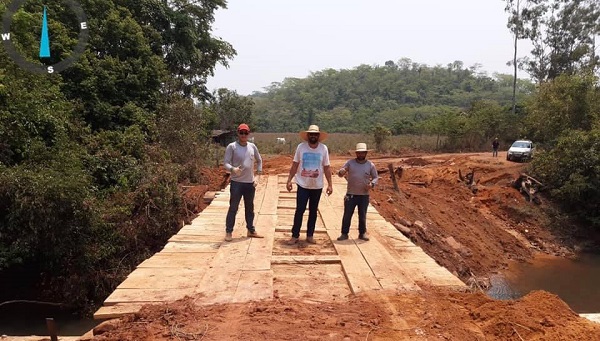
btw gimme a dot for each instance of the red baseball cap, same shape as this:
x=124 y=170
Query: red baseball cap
x=243 y=126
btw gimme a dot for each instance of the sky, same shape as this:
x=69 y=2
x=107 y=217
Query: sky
x=276 y=39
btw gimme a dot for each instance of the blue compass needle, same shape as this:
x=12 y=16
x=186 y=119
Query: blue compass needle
x=44 y=41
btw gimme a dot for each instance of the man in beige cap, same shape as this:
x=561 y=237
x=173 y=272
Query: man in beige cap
x=311 y=162
x=361 y=175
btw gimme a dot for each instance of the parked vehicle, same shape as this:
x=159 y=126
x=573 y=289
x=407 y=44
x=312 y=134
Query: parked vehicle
x=520 y=150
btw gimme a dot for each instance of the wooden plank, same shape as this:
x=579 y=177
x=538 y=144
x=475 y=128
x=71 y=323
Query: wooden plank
x=302 y=230
x=269 y=204
x=191 y=247
x=203 y=232
x=220 y=280
x=287 y=203
x=195 y=238
x=259 y=195
x=288 y=221
x=592 y=317
x=310 y=282
x=289 y=211
x=188 y=260
x=254 y=286
x=385 y=267
x=306 y=259
x=431 y=274
x=208 y=220
x=117 y=310
x=146 y=295
x=260 y=250
x=357 y=271
x=162 y=278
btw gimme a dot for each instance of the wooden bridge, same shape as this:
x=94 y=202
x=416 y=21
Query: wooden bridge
x=197 y=262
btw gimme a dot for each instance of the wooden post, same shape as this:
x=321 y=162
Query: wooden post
x=393 y=176
x=52 y=330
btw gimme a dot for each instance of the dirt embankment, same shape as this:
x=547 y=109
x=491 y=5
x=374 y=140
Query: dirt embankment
x=470 y=234
x=473 y=234
x=431 y=314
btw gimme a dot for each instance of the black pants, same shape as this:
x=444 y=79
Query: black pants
x=304 y=196
x=351 y=201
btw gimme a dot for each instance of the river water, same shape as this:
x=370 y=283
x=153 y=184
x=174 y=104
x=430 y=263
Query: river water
x=577 y=282
x=27 y=319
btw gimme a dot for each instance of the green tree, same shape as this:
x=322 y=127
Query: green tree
x=571 y=171
x=568 y=102
x=562 y=34
x=231 y=109
x=380 y=135
x=88 y=168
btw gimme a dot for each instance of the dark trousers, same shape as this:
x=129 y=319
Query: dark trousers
x=494 y=151
x=238 y=190
x=350 y=202
x=304 y=196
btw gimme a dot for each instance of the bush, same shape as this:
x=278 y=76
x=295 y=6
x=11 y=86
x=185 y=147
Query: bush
x=572 y=172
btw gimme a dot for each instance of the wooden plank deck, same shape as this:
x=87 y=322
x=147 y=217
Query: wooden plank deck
x=196 y=262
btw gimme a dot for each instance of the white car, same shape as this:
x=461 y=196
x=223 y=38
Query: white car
x=521 y=150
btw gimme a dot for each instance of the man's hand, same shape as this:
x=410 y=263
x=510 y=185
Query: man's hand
x=341 y=172
x=236 y=171
x=288 y=186
x=256 y=180
x=329 y=189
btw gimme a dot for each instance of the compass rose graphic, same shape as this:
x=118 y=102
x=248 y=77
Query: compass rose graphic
x=45 y=39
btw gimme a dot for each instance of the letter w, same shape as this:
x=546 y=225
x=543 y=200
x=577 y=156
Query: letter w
x=5 y=36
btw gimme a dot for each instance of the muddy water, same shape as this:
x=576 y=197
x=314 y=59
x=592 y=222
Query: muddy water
x=22 y=319
x=577 y=282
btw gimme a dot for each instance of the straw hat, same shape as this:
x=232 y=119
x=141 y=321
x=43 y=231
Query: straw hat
x=362 y=147
x=313 y=128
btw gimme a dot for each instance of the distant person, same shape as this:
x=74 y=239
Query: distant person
x=240 y=157
x=313 y=156
x=495 y=146
x=361 y=175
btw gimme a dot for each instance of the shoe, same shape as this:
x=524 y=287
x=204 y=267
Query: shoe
x=253 y=234
x=364 y=237
x=311 y=240
x=292 y=241
x=343 y=236
x=228 y=237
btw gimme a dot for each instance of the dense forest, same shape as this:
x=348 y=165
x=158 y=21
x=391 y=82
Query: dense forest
x=91 y=159
x=398 y=94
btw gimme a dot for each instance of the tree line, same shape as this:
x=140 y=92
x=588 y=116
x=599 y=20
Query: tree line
x=91 y=159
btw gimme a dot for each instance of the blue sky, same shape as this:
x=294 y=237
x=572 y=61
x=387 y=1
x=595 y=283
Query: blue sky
x=276 y=39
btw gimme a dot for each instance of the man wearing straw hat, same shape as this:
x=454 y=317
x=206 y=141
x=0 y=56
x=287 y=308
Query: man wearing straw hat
x=361 y=175
x=311 y=162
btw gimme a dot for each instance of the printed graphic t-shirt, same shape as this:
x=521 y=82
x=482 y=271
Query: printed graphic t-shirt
x=310 y=165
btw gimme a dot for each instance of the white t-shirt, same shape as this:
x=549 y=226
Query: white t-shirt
x=311 y=163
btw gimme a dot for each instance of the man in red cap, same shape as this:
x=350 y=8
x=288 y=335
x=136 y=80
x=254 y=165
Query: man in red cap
x=240 y=157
